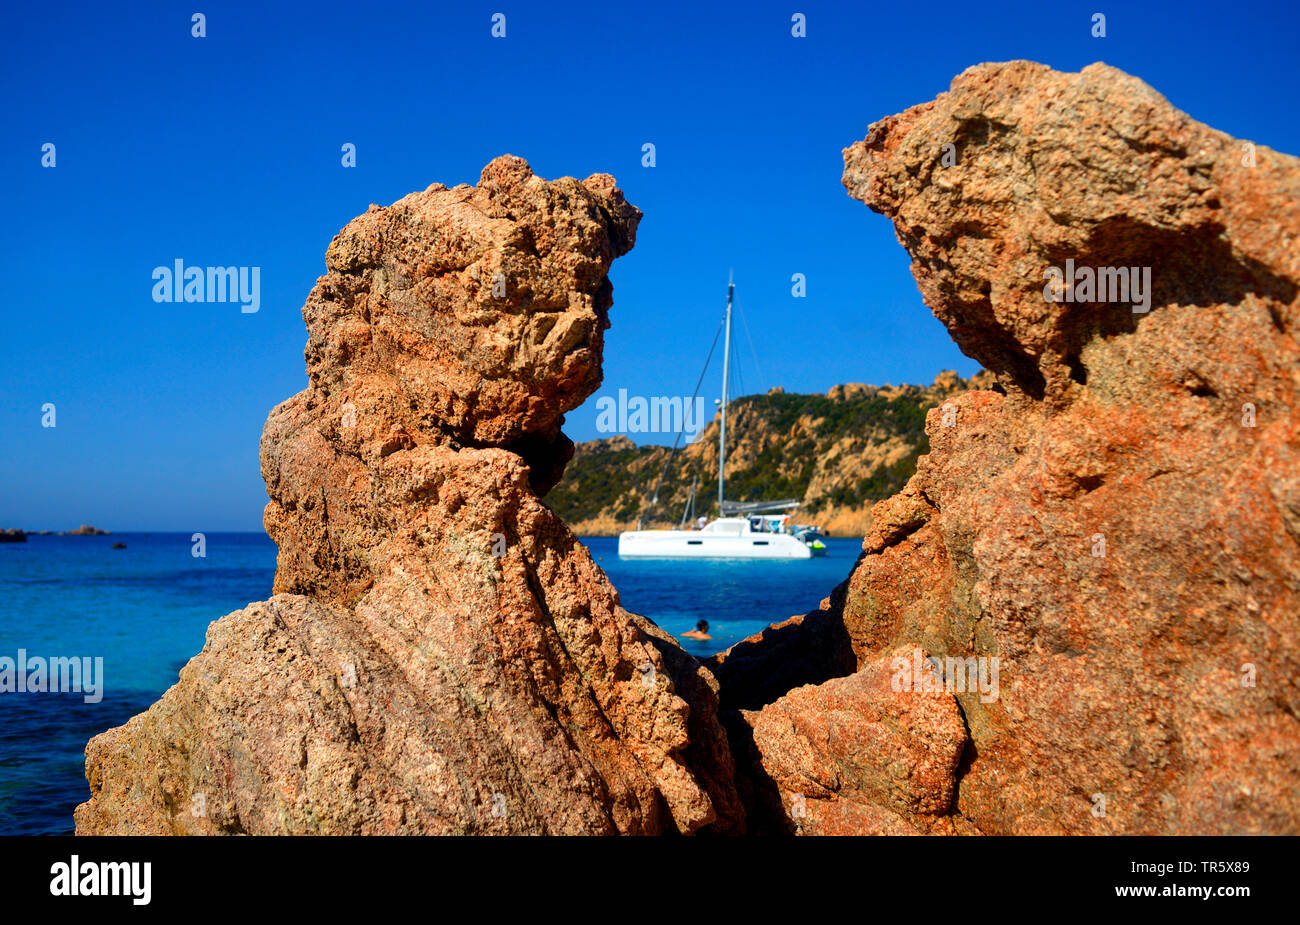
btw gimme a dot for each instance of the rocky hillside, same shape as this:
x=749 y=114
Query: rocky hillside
x=840 y=452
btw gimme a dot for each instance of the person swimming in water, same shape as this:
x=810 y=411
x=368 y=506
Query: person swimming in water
x=701 y=631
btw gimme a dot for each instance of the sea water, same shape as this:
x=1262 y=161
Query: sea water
x=144 y=610
x=738 y=597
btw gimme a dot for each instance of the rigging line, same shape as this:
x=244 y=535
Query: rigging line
x=762 y=380
x=739 y=376
x=682 y=430
x=740 y=372
x=737 y=373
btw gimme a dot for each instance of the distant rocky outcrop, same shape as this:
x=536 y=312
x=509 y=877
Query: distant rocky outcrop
x=839 y=453
x=1120 y=529
x=85 y=530
x=441 y=655
x=13 y=535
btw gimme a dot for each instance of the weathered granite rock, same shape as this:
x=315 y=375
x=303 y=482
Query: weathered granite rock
x=854 y=756
x=441 y=654
x=1118 y=523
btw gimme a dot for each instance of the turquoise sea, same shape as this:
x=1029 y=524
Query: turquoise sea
x=144 y=610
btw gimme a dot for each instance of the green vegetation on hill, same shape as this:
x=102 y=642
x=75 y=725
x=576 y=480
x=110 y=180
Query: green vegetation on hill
x=771 y=475
x=601 y=480
x=838 y=452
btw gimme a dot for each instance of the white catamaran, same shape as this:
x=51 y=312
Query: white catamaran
x=744 y=530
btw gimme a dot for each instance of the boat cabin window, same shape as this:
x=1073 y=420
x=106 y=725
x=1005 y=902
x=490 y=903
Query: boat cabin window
x=728 y=526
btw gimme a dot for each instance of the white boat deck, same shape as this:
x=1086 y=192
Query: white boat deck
x=725 y=538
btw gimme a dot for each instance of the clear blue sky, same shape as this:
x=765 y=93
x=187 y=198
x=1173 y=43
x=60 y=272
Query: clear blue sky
x=225 y=150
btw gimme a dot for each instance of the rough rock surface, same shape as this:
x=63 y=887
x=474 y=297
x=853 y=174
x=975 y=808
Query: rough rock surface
x=441 y=654
x=1118 y=523
x=854 y=755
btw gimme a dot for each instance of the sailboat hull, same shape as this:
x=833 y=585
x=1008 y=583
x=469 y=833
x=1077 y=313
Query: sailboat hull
x=701 y=544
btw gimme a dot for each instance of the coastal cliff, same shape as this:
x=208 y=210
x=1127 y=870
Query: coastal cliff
x=839 y=453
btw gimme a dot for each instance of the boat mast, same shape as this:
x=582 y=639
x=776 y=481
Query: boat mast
x=722 y=428
x=689 y=506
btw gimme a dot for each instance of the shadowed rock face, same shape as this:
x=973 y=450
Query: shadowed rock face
x=1121 y=528
x=441 y=655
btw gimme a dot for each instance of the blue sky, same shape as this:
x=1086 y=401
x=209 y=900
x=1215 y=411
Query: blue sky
x=225 y=150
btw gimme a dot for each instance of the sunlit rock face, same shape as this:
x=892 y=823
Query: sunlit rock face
x=441 y=655
x=1082 y=615
x=1117 y=523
